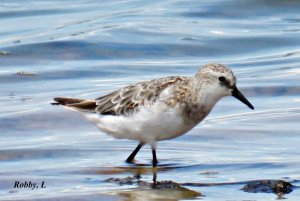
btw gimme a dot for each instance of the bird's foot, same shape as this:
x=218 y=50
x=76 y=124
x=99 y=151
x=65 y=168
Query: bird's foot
x=154 y=163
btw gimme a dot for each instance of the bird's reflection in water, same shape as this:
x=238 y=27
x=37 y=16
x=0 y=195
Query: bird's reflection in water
x=148 y=190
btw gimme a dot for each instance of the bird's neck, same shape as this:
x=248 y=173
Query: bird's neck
x=206 y=95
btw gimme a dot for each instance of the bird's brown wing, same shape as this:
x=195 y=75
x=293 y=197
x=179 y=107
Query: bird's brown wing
x=127 y=100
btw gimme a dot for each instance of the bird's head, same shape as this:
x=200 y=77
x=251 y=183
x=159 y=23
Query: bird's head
x=220 y=81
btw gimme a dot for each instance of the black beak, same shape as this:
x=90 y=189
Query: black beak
x=238 y=95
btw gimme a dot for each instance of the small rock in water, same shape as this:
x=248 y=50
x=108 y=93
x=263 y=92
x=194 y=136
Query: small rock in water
x=121 y=181
x=135 y=181
x=4 y=53
x=24 y=73
x=166 y=185
x=268 y=186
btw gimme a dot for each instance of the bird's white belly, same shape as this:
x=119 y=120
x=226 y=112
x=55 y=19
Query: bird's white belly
x=150 y=124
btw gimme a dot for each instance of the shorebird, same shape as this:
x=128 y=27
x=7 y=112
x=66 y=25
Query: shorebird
x=159 y=109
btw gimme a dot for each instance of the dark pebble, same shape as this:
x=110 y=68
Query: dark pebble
x=268 y=186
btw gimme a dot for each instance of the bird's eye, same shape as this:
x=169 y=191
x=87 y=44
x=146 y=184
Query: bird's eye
x=222 y=79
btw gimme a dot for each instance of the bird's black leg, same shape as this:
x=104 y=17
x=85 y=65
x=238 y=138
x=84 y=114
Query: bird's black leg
x=154 y=159
x=132 y=155
x=154 y=177
x=154 y=163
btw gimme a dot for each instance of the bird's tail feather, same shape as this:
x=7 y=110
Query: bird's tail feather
x=82 y=105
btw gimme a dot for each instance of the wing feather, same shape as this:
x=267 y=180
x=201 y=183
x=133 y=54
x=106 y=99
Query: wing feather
x=128 y=100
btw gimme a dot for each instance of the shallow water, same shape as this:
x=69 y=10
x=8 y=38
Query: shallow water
x=86 y=48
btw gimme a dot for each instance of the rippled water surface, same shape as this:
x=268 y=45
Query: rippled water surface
x=87 y=48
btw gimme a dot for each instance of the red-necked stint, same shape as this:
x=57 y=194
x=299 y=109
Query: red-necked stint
x=159 y=109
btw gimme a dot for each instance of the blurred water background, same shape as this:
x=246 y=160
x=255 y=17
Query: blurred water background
x=86 y=48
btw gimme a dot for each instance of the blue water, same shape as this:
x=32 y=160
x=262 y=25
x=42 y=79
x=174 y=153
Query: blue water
x=87 y=48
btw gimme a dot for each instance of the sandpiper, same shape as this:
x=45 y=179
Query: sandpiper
x=159 y=109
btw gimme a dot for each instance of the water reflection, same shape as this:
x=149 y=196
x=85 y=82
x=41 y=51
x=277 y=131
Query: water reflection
x=136 y=169
x=171 y=190
x=145 y=190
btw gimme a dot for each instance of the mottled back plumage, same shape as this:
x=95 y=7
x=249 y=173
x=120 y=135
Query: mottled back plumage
x=127 y=100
